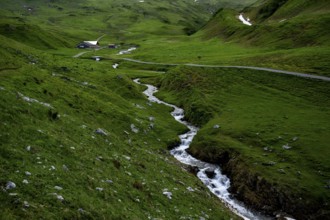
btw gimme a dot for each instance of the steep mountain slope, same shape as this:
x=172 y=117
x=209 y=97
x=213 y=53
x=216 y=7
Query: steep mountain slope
x=277 y=24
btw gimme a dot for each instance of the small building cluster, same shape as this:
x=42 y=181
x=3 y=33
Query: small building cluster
x=88 y=44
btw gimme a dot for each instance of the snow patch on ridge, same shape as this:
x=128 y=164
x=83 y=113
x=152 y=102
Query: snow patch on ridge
x=244 y=21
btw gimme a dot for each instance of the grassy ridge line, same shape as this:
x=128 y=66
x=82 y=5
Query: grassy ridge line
x=258 y=115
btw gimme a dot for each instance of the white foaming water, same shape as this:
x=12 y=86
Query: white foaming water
x=218 y=183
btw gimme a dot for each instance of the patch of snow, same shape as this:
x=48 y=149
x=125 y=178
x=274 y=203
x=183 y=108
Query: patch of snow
x=244 y=21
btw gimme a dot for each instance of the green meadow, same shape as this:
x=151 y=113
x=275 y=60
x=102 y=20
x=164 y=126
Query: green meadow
x=80 y=140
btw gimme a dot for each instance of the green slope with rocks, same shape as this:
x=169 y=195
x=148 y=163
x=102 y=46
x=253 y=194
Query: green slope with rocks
x=79 y=140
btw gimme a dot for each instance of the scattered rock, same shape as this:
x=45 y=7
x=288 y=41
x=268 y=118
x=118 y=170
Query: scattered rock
x=99 y=189
x=167 y=193
x=269 y=163
x=216 y=126
x=28 y=148
x=26 y=204
x=59 y=197
x=81 y=210
x=27 y=173
x=126 y=157
x=13 y=194
x=286 y=147
x=210 y=173
x=52 y=168
x=151 y=118
x=327 y=186
x=65 y=168
x=100 y=131
x=295 y=138
x=25 y=181
x=134 y=129
x=109 y=181
x=281 y=171
x=139 y=106
x=10 y=185
x=190 y=189
x=58 y=188
x=99 y=158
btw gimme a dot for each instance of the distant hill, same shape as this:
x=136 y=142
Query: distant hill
x=275 y=24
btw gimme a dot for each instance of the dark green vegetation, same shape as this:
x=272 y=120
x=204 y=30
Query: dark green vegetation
x=277 y=131
x=258 y=112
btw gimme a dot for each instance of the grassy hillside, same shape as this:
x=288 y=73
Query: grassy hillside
x=79 y=140
x=118 y=19
x=274 y=126
x=291 y=24
x=288 y=28
x=68 y=144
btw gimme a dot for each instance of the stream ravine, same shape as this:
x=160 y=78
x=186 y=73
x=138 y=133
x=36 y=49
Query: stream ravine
x=217 y=183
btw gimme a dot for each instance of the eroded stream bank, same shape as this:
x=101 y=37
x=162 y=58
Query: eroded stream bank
x=208 y=173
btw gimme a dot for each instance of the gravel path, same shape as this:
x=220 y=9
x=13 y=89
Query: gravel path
x=80 y=54
x=304 y=75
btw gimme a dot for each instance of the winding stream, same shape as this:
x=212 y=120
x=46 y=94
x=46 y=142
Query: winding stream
x=218 y=183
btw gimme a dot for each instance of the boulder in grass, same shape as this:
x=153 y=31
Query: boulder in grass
x=10 y=185
x=100 y=131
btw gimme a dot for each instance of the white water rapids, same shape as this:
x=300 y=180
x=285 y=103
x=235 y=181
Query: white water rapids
x=218 y=184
